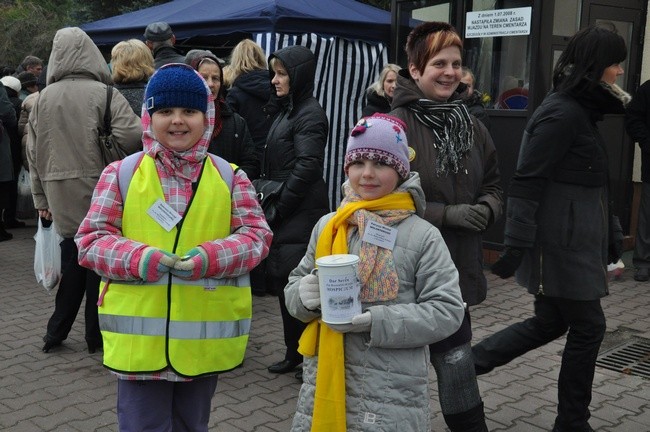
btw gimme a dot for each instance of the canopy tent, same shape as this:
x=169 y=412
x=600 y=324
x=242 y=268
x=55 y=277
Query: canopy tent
x=348 y=39
x=347 y=19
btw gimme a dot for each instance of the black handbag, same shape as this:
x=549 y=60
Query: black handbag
x=268 y=193
x=110 y=149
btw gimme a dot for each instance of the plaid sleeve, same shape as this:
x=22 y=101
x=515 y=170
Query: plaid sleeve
x=102 y=247
x=251 y=236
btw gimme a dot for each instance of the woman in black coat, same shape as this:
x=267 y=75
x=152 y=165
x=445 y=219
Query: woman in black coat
x=557 y=228
x=250 y=89
x=294 y=154
x=380 y=93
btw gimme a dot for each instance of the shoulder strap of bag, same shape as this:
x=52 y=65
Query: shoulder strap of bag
x=107 y=110
x=129 y=164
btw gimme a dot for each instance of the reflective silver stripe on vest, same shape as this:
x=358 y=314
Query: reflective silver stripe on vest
x=240 y=281
x=177 y=329
x=132 y=325
x=209 y=330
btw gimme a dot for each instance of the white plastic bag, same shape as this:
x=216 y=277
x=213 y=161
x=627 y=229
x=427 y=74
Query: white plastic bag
x=47 y=256
x=24 y=203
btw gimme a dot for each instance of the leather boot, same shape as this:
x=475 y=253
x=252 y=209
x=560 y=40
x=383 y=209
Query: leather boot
x=4 y=235
x=472 y=420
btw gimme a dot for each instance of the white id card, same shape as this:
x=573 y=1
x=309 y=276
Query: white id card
x=380 y=235
x=162 y=213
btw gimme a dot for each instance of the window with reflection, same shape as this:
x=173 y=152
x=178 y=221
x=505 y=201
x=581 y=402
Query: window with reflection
x=501 y=65
x=411 y=13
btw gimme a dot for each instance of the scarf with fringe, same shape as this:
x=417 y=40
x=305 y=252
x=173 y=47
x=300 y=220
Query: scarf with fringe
x=452 y=130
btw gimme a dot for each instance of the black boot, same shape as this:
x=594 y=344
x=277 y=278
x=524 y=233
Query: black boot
x=4 y=235
x=472 y=420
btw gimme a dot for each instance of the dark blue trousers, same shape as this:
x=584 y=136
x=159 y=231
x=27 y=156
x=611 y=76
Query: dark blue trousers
x=165 y=406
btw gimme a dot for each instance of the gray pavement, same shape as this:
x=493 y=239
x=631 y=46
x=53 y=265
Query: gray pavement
x=68 y=389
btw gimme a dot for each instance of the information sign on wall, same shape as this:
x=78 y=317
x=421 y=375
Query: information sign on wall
x=501 y=22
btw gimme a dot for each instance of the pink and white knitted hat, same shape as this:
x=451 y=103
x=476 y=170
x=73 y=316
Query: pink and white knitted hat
x=380 y=138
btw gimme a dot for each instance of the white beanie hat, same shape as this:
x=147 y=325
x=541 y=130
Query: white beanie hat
x=11 y=82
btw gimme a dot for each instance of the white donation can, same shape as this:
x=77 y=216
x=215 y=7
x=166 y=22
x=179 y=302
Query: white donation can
x=339 y=288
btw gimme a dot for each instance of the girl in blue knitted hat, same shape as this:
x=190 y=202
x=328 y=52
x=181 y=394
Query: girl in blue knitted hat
x=173 y=231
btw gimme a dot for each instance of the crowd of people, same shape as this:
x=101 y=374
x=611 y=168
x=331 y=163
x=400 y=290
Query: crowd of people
x=179 y=233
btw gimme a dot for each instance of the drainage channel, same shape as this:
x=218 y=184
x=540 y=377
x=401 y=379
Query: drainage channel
x=631 y=358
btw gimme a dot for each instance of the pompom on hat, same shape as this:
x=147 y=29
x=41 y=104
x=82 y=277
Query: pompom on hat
x=176 y=85
x=380 y=138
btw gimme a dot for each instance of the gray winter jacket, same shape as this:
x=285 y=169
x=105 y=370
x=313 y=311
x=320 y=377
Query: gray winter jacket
x=387 y=369
x=63 y=143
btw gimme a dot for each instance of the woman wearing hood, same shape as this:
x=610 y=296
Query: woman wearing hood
x=557 y=228
x=65 y=162
x=231 y=138
x=294 y=154
x=174 y=232
x=457 y=163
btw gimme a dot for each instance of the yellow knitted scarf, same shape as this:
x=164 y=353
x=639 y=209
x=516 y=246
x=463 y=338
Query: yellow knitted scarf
x=318 y=338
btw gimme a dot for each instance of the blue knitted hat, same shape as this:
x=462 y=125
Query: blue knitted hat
x=176 y=85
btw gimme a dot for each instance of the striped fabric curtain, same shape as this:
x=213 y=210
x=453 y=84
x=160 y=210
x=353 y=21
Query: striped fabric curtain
x=344 y=71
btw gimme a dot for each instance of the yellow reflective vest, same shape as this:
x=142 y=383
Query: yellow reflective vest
x=193 y=327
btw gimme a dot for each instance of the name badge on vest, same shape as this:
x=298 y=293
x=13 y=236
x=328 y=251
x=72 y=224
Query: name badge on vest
x=162 y=213
x=380 y=235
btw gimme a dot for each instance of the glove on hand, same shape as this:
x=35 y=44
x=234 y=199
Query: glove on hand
x=470 y=217
x=508 y=262
x=193 y=265
x=360 y=323
x=482 y=211
x=309 y=292
x=154 y=263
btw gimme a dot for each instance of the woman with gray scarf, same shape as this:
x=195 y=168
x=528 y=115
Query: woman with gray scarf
x=457 y=162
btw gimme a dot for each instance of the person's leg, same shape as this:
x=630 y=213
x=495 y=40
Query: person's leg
x=9 y=216
x=10 y=212
x=192 y=403
x=586 y=331
x=460 y=400
x=258 y=280
x=93 y=335
x=68 y=296
x=641 y=257
x=292 y=329
x=545 y=326
x=144 y=405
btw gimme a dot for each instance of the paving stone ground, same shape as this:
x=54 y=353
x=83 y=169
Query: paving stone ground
x=69 y=390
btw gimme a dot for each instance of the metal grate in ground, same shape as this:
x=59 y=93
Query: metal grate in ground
x=632 y=358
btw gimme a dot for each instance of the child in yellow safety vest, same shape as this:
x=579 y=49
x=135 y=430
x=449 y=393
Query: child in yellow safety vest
x=174 y=232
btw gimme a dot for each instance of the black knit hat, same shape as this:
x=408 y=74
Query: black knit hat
x=27 y=79
x=176 y=85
